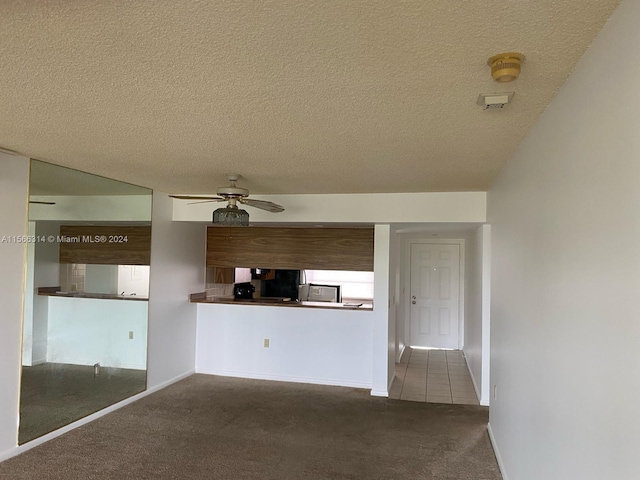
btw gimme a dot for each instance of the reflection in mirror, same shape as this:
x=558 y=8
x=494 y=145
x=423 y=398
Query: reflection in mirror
x=85 y=310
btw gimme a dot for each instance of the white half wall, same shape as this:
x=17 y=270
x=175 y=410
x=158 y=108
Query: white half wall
x=86 y=331
x=565 y=221
x=177 y=269
x=310 y=345
x=355 y=208
x=14 y=197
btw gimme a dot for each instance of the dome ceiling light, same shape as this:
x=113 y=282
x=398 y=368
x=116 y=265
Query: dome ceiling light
x=505 y=67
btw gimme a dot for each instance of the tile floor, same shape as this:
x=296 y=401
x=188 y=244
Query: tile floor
x=433 y=376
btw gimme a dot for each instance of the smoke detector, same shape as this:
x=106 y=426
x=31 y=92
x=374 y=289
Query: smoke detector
x=505 y=67
x=492 y=101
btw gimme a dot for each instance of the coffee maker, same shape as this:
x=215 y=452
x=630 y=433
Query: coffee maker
x=243 y=291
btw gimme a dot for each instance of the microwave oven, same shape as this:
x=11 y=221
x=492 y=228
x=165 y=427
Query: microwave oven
x=314 y=292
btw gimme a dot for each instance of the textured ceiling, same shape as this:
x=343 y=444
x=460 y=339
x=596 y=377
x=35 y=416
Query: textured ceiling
x=298 y=96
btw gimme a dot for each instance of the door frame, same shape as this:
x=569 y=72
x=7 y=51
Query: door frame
x=406 y=288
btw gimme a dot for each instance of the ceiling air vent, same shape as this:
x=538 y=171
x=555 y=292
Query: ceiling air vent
x=494 y=101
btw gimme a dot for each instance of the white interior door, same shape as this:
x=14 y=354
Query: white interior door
x=435 y=295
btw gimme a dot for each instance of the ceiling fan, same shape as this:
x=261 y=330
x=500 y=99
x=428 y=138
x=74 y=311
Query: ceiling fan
x=232 y=215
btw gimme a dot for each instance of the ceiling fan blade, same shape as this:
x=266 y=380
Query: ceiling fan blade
x=192 y=197
x=209 y=201
x=262 y=204
x=42 y=203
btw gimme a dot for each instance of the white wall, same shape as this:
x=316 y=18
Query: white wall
x=362 y=208
x=397 y=270
x=14 y=195
x=565 y=219
x=485 y=389
x=393 y=299
x=383 y=340
x=177 y=269
x=85 y=331
x=310 y=345
x=476 y=320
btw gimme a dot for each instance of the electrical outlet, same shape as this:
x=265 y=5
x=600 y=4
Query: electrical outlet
x=266 y=343
x=131 y=335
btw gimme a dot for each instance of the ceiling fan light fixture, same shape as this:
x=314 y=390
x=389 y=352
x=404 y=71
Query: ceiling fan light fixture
x=231 y=216
x=505 y=67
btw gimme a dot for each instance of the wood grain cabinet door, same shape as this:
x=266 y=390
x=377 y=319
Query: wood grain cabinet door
x=291 y=248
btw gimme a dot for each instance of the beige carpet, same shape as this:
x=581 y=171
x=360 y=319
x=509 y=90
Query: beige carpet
x=208 y=427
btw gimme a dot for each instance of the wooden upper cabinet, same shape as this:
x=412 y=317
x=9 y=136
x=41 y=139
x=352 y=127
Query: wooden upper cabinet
x=291 y=248
x=106 y=244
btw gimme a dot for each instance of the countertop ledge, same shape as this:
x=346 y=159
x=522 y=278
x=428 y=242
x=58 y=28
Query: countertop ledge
x=55 y=292
x=278 y=302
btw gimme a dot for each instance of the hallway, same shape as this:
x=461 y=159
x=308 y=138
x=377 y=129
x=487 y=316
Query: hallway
x=433 y=376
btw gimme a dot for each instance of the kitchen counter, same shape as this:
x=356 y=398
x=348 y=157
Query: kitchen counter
x=55 y=292
x=278 y=302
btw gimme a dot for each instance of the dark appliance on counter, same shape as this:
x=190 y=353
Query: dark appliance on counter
x=243 y=291
x=284 y=284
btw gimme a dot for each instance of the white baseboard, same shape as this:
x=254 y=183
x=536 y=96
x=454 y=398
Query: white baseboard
x=475 y=384
x=287 y=378
x=379 y=393
x=400 y=353
x=503 y=470
x=166 y=383
x=34 y=363
x=17 y=450
x=389 y=385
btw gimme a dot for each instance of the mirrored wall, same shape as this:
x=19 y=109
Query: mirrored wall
x=86 y=298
